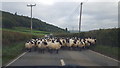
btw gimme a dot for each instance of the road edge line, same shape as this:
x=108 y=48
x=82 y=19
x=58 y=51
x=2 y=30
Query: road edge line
x=105 y=56
x=16 y=59
x=62 y=62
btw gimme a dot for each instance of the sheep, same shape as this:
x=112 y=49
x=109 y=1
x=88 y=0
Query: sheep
x=87 y=44
x=63 y=41
x=76 y=43
x=91 y=41
x=69 y=43
x=38 y=42
x=72 y=43
x=33 y=43
x=58 y=45
x=81 y=44
x=48 y=40
x=42 y=46
x=29 y=45
x=54 y=45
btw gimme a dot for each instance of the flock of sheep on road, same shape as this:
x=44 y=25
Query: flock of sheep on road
x=55 y=44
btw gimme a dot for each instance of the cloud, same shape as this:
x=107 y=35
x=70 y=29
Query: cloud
x=66 y=14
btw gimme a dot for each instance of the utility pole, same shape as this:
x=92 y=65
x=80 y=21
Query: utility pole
x=80 y=16
x=31 y=5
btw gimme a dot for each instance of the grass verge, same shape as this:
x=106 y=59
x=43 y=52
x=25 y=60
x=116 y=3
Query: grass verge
x=10 y=52
x=107 y=50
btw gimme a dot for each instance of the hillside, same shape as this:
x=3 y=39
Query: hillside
x=10 y=21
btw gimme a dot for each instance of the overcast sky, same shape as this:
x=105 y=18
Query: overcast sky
x=65 y=14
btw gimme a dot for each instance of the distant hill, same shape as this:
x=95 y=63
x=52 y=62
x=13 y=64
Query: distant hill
x=10 y=21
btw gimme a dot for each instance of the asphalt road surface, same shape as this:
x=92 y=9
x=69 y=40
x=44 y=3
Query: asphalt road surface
x=65 y=57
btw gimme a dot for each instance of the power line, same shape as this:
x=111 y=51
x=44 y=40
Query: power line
x=74 y=11
x=85 y=1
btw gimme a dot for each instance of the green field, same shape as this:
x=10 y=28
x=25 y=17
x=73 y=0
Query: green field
x=27 y=30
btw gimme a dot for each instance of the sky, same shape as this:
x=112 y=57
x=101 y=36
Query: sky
x=96 y=14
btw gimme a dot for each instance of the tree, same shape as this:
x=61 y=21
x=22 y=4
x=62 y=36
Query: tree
x=66 y=29
x=15 y=13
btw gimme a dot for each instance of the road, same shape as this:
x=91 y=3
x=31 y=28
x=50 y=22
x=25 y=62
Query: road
x=65 y=57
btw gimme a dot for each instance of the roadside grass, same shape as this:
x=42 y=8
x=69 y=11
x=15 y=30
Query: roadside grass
x=107 y=50
x=13 y=44
x=12 y=51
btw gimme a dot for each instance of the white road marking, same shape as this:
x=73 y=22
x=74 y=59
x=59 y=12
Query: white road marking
x=62 y=62
x=16 y=59
x=105 y=56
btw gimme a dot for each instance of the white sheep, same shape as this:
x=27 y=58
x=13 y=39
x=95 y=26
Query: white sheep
x=81 y=44
x=75 y=44
x=91 y=41
x=70 y=43
x=87 y=44
x=41 y=44
x=64 y=45
x=54 y=46
x=29 y=45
